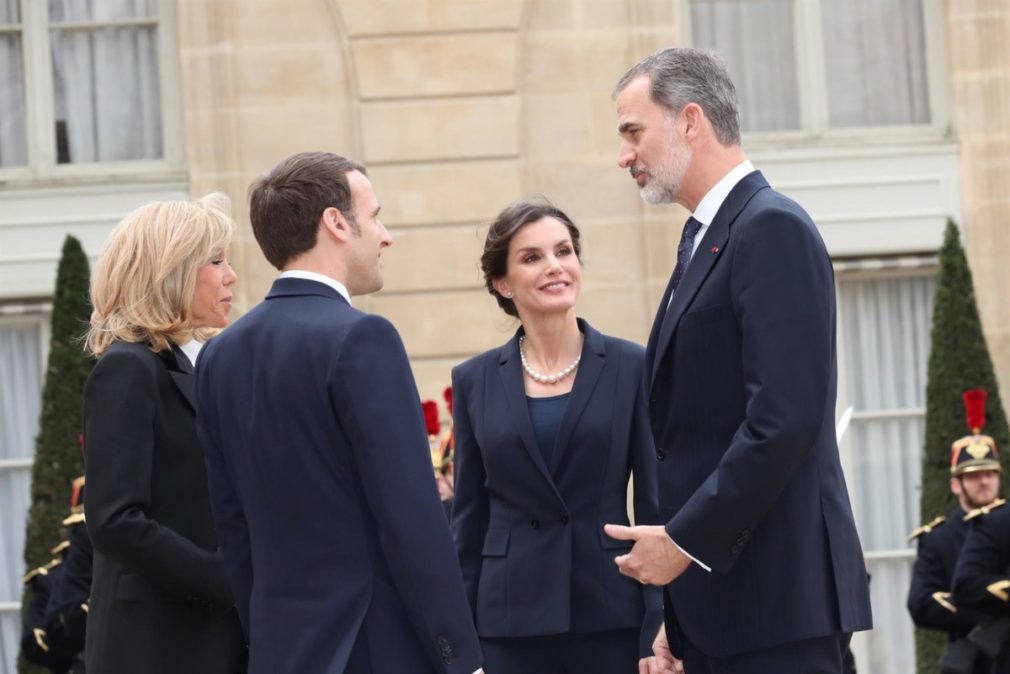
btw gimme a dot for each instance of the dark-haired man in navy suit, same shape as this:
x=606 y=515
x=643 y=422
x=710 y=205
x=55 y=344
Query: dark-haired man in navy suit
x=320 y=476
x=759 y=556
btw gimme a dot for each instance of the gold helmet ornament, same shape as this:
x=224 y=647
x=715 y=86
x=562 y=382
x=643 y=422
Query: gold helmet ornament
x=974 y=452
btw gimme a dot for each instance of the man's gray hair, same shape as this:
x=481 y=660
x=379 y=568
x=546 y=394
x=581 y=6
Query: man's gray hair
x=678 y=76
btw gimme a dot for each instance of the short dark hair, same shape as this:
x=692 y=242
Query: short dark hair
x=285 y=205
x=680 y=75
x=515 y=216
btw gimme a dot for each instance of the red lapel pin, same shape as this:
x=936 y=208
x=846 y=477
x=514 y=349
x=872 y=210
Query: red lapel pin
x=715 y=249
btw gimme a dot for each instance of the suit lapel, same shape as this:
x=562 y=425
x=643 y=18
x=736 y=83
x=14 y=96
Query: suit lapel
x=510 y=372
x=590 y=367
x=181 y=371
x=712 y=246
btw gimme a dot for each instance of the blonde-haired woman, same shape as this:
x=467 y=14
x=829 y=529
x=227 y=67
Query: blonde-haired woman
x=160 y=601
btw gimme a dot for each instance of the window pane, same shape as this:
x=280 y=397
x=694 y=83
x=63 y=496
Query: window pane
x=107 y=98
x=884 y=331
x=875 y=57
x=102 y=10
x=20 y=405
x=763 y=69
x=13 y=131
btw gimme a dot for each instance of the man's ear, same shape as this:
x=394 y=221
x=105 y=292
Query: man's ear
x=955 y=486
x=333 y=222
x=693 y=117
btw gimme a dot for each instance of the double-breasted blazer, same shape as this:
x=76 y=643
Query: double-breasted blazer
x=160 y=600
x=742 y=382
x=530 y=535
x=320 y=473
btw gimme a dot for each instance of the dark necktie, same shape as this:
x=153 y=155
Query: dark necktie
x=684 y=250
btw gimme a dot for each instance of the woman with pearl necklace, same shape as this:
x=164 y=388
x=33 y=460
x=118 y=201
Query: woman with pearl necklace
x=549 y=429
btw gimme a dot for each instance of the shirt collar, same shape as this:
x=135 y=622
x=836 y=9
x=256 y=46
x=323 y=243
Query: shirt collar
x=319 y=278
x=191 y=349
x=710 y=203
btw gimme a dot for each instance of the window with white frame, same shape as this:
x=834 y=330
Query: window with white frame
x=810 y=68
x=884 y=319
x=86 y=85
x=23 y=339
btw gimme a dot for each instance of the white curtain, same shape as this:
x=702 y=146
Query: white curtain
x=875 y=56
x=106 y=82
x=755 y=39
x=13 y=132
x=884 y=330
x=20 y=405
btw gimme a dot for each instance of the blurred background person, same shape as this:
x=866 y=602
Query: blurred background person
x=975 y=481
x=160 y=601
x=548 y=429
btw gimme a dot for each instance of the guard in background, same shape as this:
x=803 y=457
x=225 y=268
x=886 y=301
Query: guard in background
x=55 y=622
x=975 y=480
x=442 y=449
x=982 y=581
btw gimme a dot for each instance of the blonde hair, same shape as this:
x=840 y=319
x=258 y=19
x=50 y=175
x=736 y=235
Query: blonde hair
x=145 y=279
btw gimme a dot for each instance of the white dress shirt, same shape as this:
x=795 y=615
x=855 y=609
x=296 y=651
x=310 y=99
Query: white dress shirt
x=320 y=278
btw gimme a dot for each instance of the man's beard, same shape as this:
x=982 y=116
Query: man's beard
x=978 y=503
x=668 y=177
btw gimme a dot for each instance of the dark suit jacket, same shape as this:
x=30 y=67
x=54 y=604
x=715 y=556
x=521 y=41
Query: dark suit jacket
x=320 y=473
x=530 y=536
x=934 y=572
x=742 y=379
x=985 y=562
x=160 y=601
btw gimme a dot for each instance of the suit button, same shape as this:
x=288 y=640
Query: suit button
x=535 y=524
x=660 y=454
x=564 y=519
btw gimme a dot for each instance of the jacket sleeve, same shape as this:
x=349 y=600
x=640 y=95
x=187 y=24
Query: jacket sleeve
x=928 y=577
x=646 y=502
x=782 y=292
x=120 y=404
x=470 y=500
x=375 y=399
x=229 y=517
x=982 y=565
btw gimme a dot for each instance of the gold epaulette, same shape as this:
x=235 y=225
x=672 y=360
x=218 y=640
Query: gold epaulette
x=984 y=510
x=926 y=528
x=40 y=638
x=943 y=599
x=42 y=570
x=1000 y=589
x=74 y=518
x=60 y=548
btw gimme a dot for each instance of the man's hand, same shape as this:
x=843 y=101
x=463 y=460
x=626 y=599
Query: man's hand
x=662 y=661
x=654 y=559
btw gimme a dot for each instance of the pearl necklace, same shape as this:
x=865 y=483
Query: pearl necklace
x=546 y=378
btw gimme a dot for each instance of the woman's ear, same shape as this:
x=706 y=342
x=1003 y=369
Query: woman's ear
x=502 y=287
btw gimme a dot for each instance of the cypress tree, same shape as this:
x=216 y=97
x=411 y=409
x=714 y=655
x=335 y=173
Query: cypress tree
x=958 y=360
x=58 y=457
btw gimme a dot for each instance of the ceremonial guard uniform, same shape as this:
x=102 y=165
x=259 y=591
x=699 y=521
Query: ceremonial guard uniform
x=930 y=597
x=982 y=580
x=54 y=627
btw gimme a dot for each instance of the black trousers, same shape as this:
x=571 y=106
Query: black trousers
x=823 y=655
x=611 y=652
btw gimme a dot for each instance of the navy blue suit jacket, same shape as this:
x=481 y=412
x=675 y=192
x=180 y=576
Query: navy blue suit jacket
x=742 y=379
x=330 y=524
x=530 y=535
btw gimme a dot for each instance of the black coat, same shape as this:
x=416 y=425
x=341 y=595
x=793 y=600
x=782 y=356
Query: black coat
x=934 y=572
x=322 y=489
x=530 y=535
x=160 y=601
x=742 y=385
